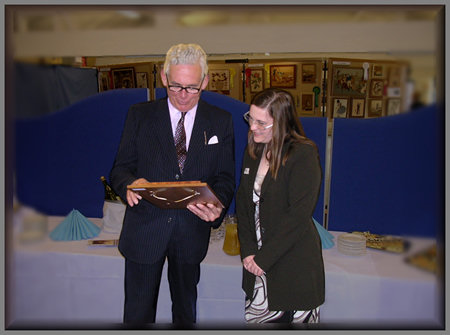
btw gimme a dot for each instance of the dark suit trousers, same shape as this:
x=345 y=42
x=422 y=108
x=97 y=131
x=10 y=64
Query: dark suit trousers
x=142 y=283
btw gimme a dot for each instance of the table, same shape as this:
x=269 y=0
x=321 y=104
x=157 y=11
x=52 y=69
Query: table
x=71 y=283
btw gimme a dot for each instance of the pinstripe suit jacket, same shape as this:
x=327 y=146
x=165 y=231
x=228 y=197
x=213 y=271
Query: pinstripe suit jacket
x=147 y=150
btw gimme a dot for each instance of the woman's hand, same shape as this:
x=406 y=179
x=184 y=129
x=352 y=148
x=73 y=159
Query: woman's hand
x=251 y=266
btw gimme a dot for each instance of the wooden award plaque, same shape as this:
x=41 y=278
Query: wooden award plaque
x=176 y=194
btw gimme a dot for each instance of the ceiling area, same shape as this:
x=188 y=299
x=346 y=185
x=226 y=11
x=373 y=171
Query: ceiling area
x=102 y=31
x=73 y=18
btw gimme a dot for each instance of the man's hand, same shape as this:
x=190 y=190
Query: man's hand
x=208 y=212
x=251 y=266
x=133 y=198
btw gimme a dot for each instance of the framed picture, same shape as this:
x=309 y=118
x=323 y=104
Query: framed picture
x=375 y=108
x=376 y=88
x=349 y=81
x=340 y=107
x=283 y=76
x=393 y=107
x=394 y=92
x=395 y=76
x=104 y=80
x=377 y=71
x=219 y=80
x=308 y=103
x=256 y=80
x=357 y=108
x=141 y=80
x=309 y=73
x=123 y=78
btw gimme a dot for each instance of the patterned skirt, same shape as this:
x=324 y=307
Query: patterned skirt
x=257 y=311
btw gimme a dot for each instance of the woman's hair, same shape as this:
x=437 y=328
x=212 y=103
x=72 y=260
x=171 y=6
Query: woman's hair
x=186 y=54
x=286 y=129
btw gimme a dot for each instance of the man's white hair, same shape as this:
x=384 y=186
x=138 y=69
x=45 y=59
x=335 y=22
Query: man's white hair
x=186 y=54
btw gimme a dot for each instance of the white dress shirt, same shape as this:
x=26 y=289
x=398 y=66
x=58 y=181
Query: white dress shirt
x=189 y=118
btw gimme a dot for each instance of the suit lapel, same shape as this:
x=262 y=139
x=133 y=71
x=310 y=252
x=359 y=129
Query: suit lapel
x=253 y=168
x=254 y=165
x=164 y=135
x=200 y=130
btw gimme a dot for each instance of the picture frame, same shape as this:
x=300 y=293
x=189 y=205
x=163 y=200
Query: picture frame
x=283 y=76
x=340 y=107
x=377 y=71
x=308 y=73
x=141 y=80
x=124 y=78
x=394 y=92
x=256 y=80
x=219 y=80
x=393 y=106
x=395 y=76
x=104 y=80
x=357 y=110
x=376 y=88
x=348 y=81
x=375 y=108
x=308 y=103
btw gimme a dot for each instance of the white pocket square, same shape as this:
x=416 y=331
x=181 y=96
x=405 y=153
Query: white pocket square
x=213 y=140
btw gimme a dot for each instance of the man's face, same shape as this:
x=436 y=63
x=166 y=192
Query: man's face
x=186 y=76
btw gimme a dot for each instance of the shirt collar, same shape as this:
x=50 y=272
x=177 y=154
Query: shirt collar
x=176 y=114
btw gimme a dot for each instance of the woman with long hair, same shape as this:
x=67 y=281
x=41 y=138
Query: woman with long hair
x=281 y=252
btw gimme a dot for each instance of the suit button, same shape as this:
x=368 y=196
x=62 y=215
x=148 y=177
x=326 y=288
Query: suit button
x=177 y=176
x=169 y=220
x=262 y=230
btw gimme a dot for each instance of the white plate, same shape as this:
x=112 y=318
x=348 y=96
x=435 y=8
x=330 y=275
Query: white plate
x=351 y=238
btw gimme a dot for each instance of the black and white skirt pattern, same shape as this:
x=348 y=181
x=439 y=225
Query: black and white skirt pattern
x=256 y=308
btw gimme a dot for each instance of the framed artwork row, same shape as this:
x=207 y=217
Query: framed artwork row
x=344 y=107
x=121 y=78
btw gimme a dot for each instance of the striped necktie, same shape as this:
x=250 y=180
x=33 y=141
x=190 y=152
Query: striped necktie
x=180 y=142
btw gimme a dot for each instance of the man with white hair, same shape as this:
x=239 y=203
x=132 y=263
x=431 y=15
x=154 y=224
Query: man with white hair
x=155 y=147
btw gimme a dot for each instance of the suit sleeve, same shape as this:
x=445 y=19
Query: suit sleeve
x=123 y=171
x=302 y=184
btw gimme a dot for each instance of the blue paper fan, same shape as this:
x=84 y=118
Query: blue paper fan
x=325 y=236
x=75 y=227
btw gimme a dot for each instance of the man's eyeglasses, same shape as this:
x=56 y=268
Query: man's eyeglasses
x=259 y=124
x=188 y=89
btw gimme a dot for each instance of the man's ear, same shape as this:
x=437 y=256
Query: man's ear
x=205 y=82
x=163 y=78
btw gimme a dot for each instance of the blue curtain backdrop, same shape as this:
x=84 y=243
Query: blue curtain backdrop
x=43 y=89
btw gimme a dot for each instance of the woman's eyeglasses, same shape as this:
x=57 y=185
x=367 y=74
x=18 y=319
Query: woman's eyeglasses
x=259 y=124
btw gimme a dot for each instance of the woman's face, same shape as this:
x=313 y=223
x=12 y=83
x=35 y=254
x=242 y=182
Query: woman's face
x=261 y=124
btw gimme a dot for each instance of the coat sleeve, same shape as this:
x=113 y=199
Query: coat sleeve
x=245 y=215
x=301 y=182
x=124 y=168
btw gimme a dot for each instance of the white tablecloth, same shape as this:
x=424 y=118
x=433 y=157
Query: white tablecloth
x=69 y=282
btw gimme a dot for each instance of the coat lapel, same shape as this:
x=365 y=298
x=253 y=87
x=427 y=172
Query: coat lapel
x=199 y=132
x=163 y=129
